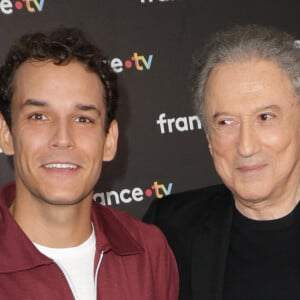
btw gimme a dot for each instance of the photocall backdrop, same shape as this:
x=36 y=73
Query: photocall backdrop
x=162 y=147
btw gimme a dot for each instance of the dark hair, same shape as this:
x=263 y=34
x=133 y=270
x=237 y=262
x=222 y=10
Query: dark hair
x=242 y=43
x=61 y=46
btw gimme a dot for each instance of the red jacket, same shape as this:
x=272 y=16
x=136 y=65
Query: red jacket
x=137 y=263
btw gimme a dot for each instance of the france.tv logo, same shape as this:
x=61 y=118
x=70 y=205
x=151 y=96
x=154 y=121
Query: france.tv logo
x=136 y=61
x=135 y=194
x=7 y=7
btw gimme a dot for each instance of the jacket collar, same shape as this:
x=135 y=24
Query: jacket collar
x=210 y=247
x=112 y=234
x=18 y=253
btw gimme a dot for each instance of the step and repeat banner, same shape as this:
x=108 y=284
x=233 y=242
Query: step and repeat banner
x=150 y=43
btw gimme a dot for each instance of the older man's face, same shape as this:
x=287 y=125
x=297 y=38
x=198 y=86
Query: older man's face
x=253 y=121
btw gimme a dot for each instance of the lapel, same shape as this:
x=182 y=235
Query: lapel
x=209 y=249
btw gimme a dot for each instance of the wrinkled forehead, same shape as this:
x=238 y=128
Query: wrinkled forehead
x=247 y=73
x=247 y=84
x=253 y=58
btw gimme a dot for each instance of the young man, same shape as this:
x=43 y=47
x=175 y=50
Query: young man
x=58 y=98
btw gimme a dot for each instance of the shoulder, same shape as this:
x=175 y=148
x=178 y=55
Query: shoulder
x=189 y=206
x=143 y=247
x=118 y=221
x=193 y=197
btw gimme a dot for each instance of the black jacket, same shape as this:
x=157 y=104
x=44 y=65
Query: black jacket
x=197 y=225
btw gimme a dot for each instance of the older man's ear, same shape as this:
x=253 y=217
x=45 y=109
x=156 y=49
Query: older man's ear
x=208 y=142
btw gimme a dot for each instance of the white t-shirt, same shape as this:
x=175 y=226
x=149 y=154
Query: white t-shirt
x=77 y=263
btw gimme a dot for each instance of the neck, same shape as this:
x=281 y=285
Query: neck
x=57 y=226
x=268 y=209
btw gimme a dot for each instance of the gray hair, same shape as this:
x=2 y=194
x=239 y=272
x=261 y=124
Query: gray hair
x=242 y=43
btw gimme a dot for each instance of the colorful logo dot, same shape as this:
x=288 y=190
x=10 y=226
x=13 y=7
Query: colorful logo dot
x=128 y=64
x=19 y=5
x=148 y=192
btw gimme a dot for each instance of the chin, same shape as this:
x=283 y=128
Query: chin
x=63 y=200
x=252 y=195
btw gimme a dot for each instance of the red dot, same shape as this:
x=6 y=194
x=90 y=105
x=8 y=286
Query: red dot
x=128 y=64
x=148 y=192
x=18 y=5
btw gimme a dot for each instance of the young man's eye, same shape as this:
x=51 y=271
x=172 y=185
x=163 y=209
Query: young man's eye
x=83 y=120
x=37 y=117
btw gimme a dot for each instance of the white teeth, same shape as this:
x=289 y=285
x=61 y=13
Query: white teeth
x=61 y=166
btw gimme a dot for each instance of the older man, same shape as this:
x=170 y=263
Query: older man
x=241 y=240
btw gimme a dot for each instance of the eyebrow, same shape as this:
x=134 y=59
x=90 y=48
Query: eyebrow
x=35 y=102
x=85 y=107
x=271 y=107
x=40 y=103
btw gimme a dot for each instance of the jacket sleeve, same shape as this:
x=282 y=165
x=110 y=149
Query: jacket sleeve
x=165 y=269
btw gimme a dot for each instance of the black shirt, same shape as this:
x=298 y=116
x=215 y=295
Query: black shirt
x=264 y=259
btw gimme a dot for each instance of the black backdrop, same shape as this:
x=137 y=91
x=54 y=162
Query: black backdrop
x=162 y=148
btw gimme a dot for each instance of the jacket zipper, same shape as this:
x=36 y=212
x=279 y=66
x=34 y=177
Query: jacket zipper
x=68 y=280
x=97 y=272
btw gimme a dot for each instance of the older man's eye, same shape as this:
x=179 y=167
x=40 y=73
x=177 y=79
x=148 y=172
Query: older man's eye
x=225 y=122
x=266 y=116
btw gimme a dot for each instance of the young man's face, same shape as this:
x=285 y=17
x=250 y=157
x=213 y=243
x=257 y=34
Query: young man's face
x=58 y=133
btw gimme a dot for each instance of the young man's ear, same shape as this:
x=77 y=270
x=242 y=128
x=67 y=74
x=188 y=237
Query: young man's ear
x=111 y=141
x=6 y=141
